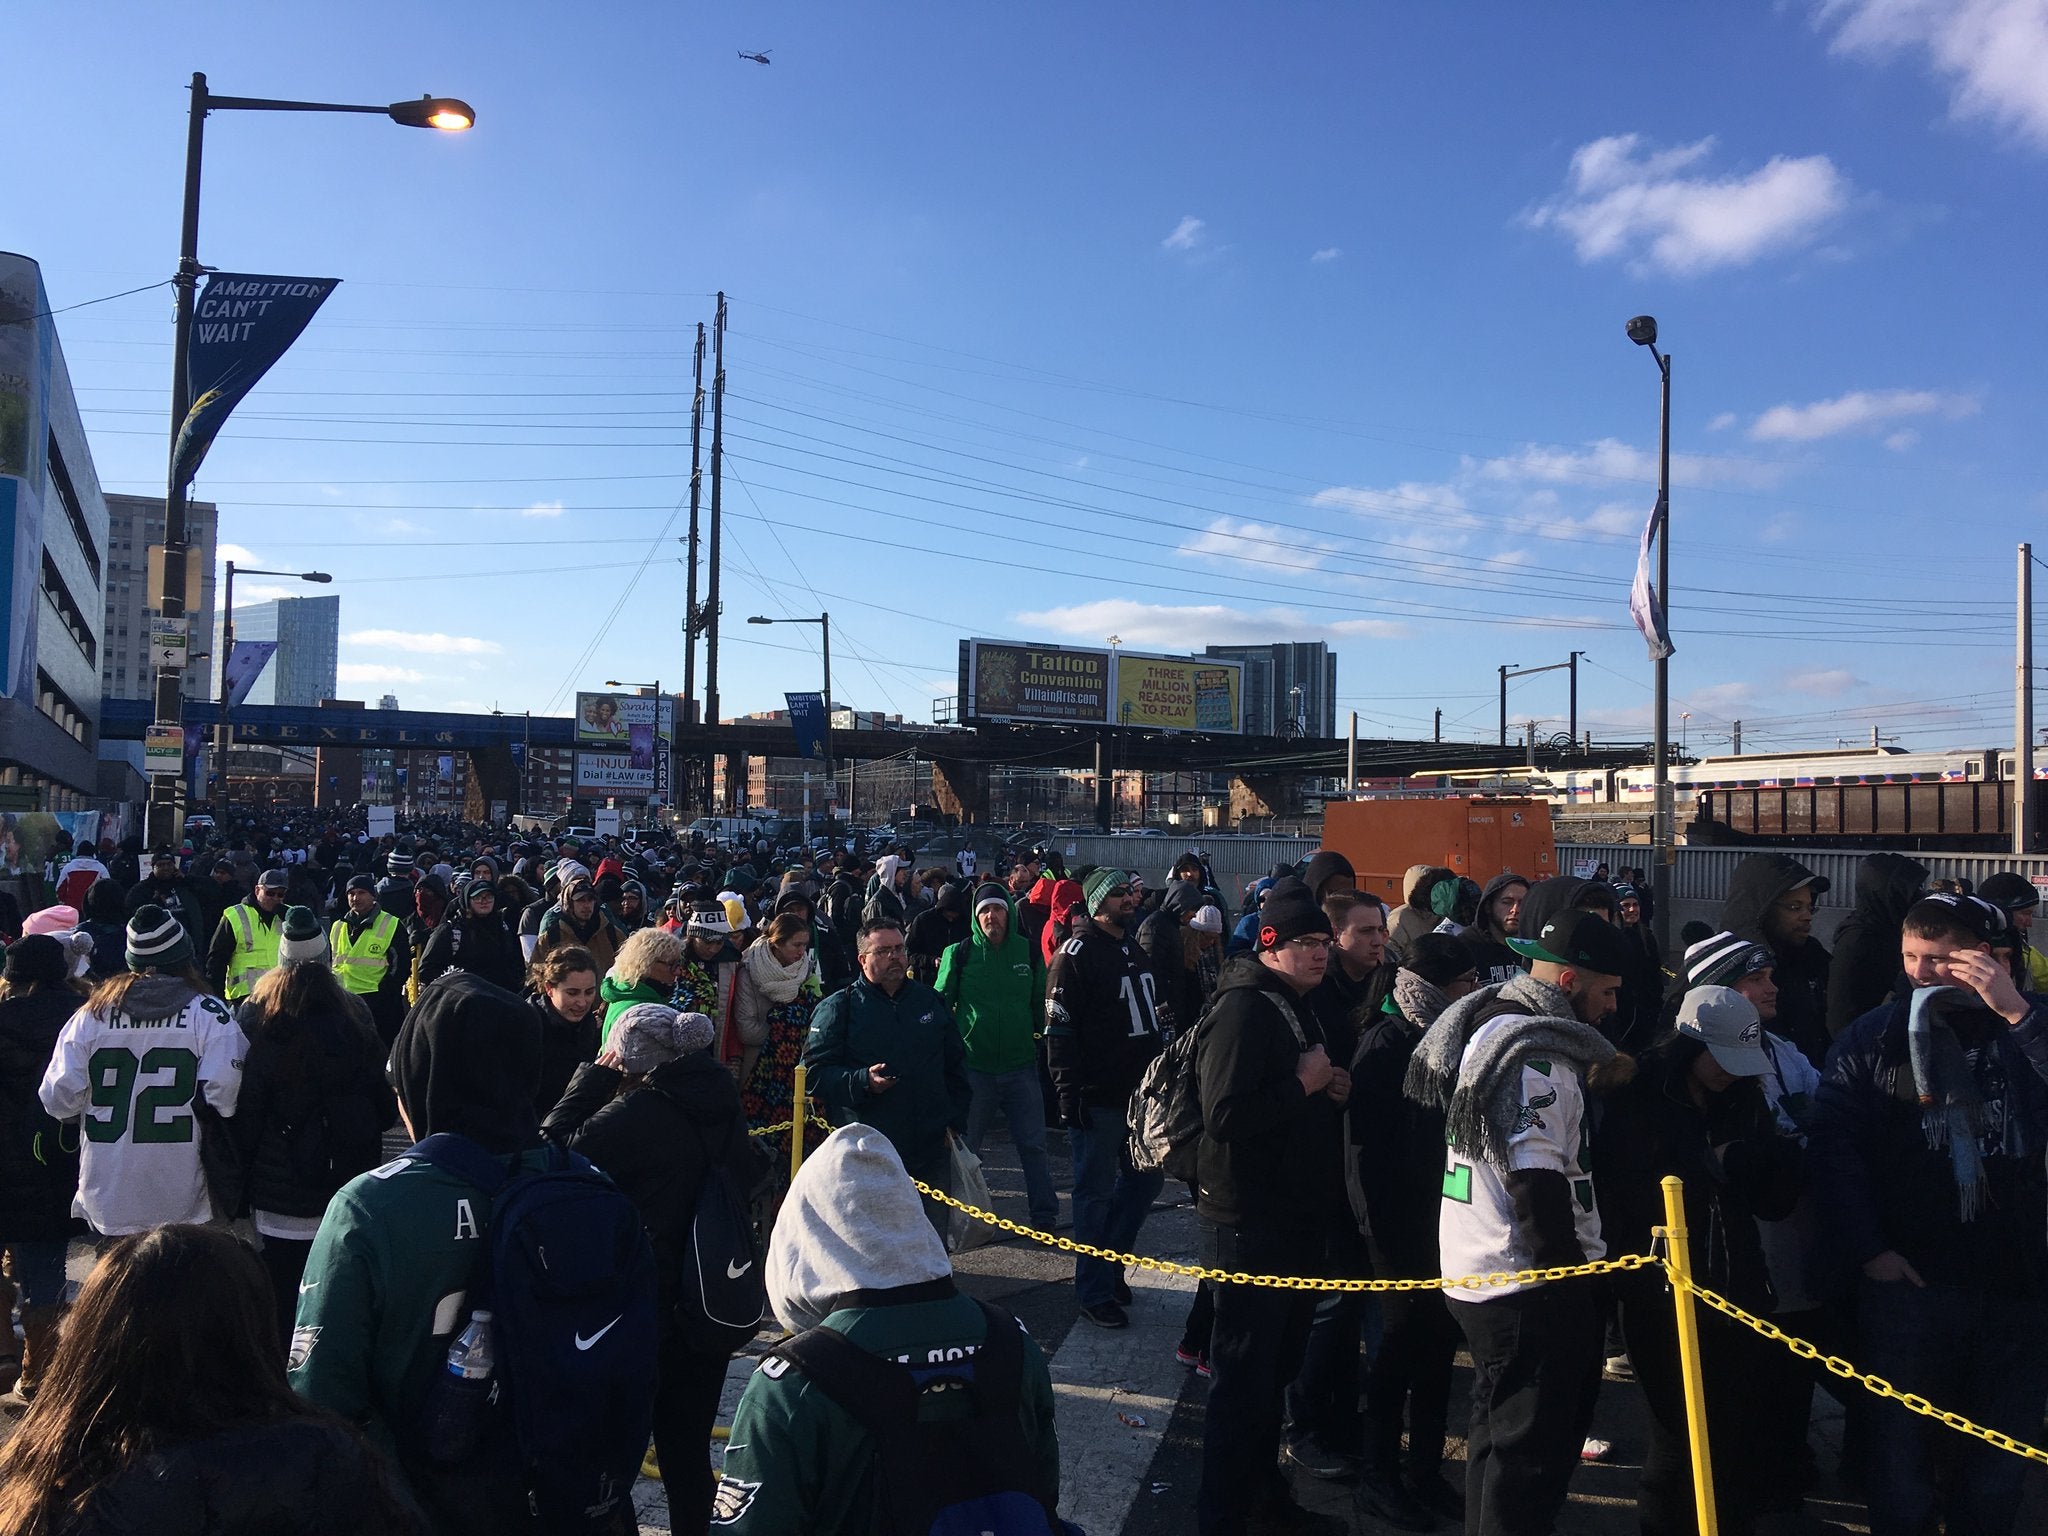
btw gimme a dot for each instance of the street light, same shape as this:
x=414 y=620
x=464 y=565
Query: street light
x=824 y=623
x=442 y=113
x=1642 y=330
x=227 y=653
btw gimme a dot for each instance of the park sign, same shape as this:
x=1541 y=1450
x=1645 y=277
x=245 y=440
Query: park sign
x=1023 y=683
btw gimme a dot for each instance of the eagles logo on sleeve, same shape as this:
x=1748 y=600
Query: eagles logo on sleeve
x=732 y=1499
x=1527 y=1117
x=303 y=1340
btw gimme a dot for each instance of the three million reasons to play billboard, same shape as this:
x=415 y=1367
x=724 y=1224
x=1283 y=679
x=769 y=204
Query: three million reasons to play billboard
x=1076 y=685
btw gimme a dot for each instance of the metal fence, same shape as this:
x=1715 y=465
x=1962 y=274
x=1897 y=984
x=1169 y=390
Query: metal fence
x=1702 y=874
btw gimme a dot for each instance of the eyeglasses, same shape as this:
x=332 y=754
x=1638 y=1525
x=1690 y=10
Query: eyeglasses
x=1309 y=942
x=1116 y=890
x=885 y=949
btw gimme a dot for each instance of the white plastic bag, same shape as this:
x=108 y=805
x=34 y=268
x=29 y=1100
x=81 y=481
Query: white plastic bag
x=969 y=1187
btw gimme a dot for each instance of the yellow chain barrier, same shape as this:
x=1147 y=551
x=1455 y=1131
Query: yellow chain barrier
x=1288 y=1282
x=1875 y=1384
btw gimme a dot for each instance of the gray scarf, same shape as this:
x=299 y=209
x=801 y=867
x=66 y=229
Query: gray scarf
x=1481 y=1095
x=1420 y=1000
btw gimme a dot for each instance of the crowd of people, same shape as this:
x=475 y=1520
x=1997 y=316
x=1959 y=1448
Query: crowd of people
x=203 y=1051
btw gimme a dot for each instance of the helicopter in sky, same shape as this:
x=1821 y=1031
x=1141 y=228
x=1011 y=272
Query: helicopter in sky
x=758 y=58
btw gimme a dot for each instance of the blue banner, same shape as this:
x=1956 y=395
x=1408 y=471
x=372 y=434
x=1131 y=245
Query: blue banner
x=241 y=325
x=807 y=719
x=245 y=664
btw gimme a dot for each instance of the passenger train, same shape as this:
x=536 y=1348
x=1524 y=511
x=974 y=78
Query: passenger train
x=1780 y=770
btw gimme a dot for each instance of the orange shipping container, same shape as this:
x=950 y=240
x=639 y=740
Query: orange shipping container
x=1478 y=838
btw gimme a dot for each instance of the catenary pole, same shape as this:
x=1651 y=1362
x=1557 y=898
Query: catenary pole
x=2023 y=828
x=690 y=584
x=711 y=713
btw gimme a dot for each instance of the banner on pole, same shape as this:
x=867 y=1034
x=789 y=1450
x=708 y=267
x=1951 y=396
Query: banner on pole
x=245 y=664
x=807 y=720
x=242 y=323
x=1645 y=602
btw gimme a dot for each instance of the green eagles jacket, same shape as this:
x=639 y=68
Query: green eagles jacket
x=384 y=1292
x=997 y=993
x=798 y=1464
x=913 y=1033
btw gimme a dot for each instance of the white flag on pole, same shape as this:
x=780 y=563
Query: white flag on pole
x=1645 y=602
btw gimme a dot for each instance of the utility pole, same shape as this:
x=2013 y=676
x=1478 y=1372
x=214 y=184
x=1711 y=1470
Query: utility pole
x=1351 y=758
x=1737 y=742
x=711 y=714
x=1503 y=704
x=1439 y=733
x=2023 y=828
x=1573 y=732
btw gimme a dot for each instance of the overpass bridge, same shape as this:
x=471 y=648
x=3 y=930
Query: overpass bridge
x=1267 y=770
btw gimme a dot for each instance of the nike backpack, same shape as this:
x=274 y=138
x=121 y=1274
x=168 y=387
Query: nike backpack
x=570 y=1280
x=723 y=1296
x=971 y=1475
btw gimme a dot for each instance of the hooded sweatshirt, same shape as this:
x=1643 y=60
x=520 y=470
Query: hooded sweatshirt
x=1866 y=959
x=997 y=994
x=1415 y=916
x=852 y=1251
x=1491 y=956
x=1066 y=897
x=1802 y=970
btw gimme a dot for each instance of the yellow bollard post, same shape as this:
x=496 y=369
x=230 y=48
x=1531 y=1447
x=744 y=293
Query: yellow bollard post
x=800 y=1122
x=1676 y=1243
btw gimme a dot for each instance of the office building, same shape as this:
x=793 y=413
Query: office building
x=134 y=524
x=1290 y=689
x=308 y=635
x=53 y=535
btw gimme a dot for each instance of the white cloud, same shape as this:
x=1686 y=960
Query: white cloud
x=1992 y=53
x=1722 y=422
x=1227 y=538
x=1610 y=459
x=248 y=592
x=1327 y=254
x=542 y=509
x=1612 y=520
x=1825 y=683
x=369 y=672
x=225 y=552
x=1659 y=209
x=1186 y=235
x=1860 y=411
x=1901 y=440
x=1182 y=627
x=428 y=644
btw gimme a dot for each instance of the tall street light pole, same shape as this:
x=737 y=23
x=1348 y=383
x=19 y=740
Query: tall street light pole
x=1642 y=330
x=442 y=113
x=226 y=732
x=824 y=623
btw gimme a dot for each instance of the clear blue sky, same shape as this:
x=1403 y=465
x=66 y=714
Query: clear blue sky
x=1182 y=322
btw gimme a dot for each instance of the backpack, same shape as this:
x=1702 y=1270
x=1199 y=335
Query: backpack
x=570 y=1279
x=724 y=1295
x=1165 y=1114
x=971 y=1476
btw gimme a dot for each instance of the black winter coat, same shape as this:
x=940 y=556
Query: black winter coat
x=38 y=1177
x=563 y=1048
x=1802 y=970
x=1880 y=1186
x=1270 y=1157
x=1866 y=964
x=313 y=1110
x=1652 y=1128
x=483 y=946
x=1163 y=938
x=657 y=1141
x=1396 y=1148
x=311 y=1476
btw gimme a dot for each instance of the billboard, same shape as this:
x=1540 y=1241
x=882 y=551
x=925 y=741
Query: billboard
x=613 y=773
x=1178 y=693
x=623 y=721
x=1070 y=685
x=1038 y=684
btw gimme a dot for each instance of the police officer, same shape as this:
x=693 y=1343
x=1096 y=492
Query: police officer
x=372 y=956
x=245 y=944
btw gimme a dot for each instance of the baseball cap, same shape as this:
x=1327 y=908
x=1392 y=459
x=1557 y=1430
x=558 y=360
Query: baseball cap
x=273 y=879
x=1583 y=940
x=1726 y=1023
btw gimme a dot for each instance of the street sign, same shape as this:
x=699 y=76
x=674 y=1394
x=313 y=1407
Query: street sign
x=163 y=750
x=167 y=642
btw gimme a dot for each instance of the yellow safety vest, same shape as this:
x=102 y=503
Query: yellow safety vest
x=255 y=949
x=360 y=962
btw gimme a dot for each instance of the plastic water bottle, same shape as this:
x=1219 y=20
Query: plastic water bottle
x=461 y=1396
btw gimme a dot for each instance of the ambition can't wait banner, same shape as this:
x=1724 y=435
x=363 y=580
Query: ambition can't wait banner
x=242 y=323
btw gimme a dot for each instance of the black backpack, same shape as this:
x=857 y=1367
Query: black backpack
x=570 y=1279
x=723 y=1296
x=970 y=1476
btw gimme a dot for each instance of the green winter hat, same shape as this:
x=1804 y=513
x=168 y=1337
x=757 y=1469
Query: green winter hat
x=1099 y=884
x=302 y=938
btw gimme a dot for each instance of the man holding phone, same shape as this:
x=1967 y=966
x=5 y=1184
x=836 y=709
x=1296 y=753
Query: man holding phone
x=886 y=1052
